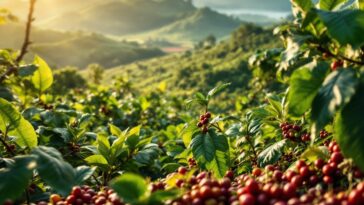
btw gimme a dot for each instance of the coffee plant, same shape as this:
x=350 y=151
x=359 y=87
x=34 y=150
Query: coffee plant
x=298 y=141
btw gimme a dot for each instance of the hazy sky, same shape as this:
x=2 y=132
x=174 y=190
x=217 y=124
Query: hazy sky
x=271 y=5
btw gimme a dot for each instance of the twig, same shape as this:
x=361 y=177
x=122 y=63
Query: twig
x=8 y=148
x=322 y=49
x=24 y=49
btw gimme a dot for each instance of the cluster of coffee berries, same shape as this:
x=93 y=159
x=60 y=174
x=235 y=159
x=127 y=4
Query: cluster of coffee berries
x=290 y=131
x=319 y=182
x=204 y=121
x=203 y=189
x=324 y=134
x=85 y=195
x=153 y=187
x=192 y=162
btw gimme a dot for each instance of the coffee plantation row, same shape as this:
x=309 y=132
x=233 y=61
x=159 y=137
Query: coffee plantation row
x=296 y=139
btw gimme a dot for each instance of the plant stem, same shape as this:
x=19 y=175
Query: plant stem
x=6 y=145
x=337 y=56
x=24 y=49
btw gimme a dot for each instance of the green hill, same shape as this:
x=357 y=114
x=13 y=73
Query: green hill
x=120 y=17
x=196 y=27
x=201 y=68
x=81 y=48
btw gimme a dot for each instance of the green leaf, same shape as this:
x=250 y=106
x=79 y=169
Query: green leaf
x=97 y=160
x=43 y=77
x=115 y=130
x=27 y=70
x=83 y=173
x=313 y=153
x=188 y=131
x=301 y=6
x=12 y=122
x=56 y=172
x=24 y=134
x=349 y=129
x=9 y=116
x=271 y=154
x=148 y=154
x=330 y=5
x=103 y=145
x=216 y=90
x=346 y=26
x=336 y=91
x=15 y=178
x=305 y=83
x=131 y=187
x=211 y=151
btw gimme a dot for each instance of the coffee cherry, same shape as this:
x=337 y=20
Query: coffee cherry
x=289 y=190
x=76 y=191
x=229 y=174
x=182 y=170
x=300 y=164
x=304 y=171
x=208 y=115
x=247 y=199
x=257 y=172
x=252 y=186
x=319 y=163
x=205 y=192
x=327 y=169
x=355 y=198
x=328 y=179
x=337 y=157
x=55 y=198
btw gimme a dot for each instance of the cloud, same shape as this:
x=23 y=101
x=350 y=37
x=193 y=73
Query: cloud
x=273 y=5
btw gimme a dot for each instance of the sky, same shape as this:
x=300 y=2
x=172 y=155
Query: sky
x=272 y=5
x=272 y=8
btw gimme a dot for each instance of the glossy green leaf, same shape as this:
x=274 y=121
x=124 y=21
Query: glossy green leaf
x=53 y=170
x=211 y=151
x=131 y=187
x=97 y=160
x=330 y=5
x=301 y=6
x=12 y=122
x=346 y=26
x=43 y=77
x=15 y=178
x=349 y=129
x=336 y=91
x=115 y=130
x=304 y=85
x=271 y=154
x=83 y=173
x=217 y=90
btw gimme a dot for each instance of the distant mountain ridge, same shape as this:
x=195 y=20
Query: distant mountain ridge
x=81 y=48
x=201 y=23
x=121 y=17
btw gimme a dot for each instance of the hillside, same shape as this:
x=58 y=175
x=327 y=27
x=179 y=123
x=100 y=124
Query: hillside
x=81 y=48
x=202 y=68
x=196 y=27
x=120 y=17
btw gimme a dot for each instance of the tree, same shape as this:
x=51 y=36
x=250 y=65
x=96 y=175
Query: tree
x=96 y=72
x=66 y=79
